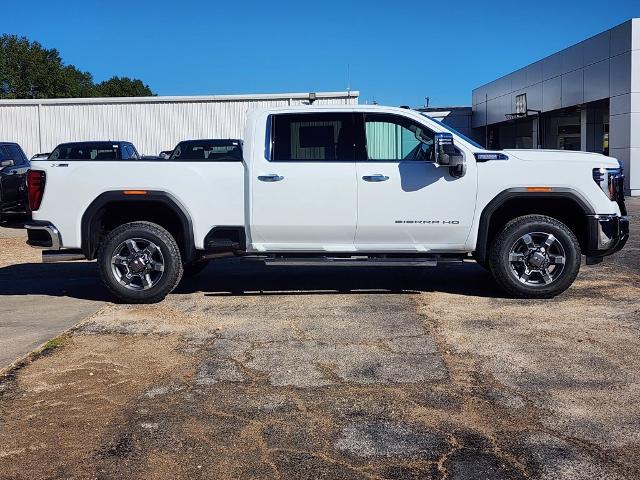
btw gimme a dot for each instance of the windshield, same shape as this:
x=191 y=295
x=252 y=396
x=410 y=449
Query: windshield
x=211 y=150
x=453 y=130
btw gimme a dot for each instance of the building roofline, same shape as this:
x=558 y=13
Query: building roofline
x=179 y=99
x=552 y=54
x=443 y=109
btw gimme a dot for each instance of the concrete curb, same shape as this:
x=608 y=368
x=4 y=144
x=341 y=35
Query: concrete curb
x=28 y=358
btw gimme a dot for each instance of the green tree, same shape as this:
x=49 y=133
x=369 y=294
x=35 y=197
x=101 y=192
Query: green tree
x=122 y=87
x=28 y=70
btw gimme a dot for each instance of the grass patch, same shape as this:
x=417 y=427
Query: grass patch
x=51 y=346
x=54 y=343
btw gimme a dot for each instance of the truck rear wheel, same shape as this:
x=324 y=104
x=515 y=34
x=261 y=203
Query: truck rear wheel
x=535 y=256
x=140 y=262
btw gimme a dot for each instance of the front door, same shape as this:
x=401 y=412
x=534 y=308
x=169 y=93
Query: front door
x=405 y=201
x=303 y=195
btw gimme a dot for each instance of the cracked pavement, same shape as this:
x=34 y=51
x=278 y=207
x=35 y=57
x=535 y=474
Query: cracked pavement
x=255 y=372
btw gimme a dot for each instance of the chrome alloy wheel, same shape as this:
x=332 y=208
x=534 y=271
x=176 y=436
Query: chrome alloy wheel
x=537 y=259
x=137 y=264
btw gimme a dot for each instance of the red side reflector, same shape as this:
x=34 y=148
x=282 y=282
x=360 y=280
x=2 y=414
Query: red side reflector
x=134 y=192
x=36 y=180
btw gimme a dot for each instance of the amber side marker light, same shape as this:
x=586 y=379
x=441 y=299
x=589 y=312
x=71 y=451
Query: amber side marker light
x=539 y=189
x=135 y=192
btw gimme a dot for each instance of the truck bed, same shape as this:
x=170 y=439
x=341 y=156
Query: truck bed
x=201 y=187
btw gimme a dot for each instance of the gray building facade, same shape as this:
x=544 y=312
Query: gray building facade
x=585 y=97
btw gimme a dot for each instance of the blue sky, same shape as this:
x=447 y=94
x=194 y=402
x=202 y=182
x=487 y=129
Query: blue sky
x=397 y=52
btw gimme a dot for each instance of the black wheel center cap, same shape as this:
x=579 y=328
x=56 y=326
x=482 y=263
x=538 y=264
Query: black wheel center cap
x=138 y=264
x=537 y=259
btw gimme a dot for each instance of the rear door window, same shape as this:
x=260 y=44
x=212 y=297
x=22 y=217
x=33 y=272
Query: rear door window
x=312 y=137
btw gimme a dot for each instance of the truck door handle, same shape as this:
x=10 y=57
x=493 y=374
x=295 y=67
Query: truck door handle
x=375 y=178
x=270 y=178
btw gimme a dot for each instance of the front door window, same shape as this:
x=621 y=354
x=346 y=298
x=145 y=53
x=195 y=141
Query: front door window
x=394 y=138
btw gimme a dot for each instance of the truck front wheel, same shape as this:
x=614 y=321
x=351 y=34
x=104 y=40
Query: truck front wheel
x=535 y=256
x=140 y=262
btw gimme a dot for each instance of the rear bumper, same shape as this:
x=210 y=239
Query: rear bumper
x=43 y=235
x=607 y=234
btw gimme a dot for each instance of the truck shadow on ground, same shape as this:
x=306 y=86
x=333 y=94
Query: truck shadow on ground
x=228 y=277
x=76 y=280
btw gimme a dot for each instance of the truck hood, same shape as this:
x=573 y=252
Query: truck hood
x=595 y=159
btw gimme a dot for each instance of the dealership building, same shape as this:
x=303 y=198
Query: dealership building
x=585 y=97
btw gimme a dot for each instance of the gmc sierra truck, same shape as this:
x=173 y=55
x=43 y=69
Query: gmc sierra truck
x=334 y=185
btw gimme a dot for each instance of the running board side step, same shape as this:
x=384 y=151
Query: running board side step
x=359 y=261
x=54 y=256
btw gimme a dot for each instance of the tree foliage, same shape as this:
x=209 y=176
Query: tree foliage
x=28 y=70
x=122 y=87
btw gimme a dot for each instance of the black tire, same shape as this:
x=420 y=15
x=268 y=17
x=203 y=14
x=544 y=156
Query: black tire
x=192 y=269
x=515 y=277
x=167 y=280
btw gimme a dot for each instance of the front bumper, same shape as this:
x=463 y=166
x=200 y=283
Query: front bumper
x=606 y=234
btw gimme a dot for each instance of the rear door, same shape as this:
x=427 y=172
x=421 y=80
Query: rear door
x=303 y=185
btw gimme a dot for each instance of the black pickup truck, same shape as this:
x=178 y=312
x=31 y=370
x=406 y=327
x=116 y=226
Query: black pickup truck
x=14 y=166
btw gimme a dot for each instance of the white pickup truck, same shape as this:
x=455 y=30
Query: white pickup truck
x=338 y=185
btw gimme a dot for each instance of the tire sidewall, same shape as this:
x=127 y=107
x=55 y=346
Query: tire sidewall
x=500 y=265
x=170 y=252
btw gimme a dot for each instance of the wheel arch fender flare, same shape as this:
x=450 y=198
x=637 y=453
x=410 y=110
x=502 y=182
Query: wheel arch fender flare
x=93 y=214
x=506 y=196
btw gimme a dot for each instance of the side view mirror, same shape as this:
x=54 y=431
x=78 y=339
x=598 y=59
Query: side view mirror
x=7 y=163
x=447 y=155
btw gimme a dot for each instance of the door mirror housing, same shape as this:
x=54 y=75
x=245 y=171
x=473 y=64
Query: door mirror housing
x=447 y=155
x=7 y=163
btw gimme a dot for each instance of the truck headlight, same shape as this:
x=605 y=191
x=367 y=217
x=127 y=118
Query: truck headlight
x=611 y=181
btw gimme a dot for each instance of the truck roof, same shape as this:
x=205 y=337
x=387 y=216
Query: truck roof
x=97 y=142
x=333 y=107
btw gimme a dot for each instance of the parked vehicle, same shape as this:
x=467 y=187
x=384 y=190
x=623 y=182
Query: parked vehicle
x=102 y=150
x=41 y=156
x=340 y=186
x=208 y=150
x=14 y=166
x=165 y=154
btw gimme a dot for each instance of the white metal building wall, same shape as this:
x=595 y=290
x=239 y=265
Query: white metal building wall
x=153 y=124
